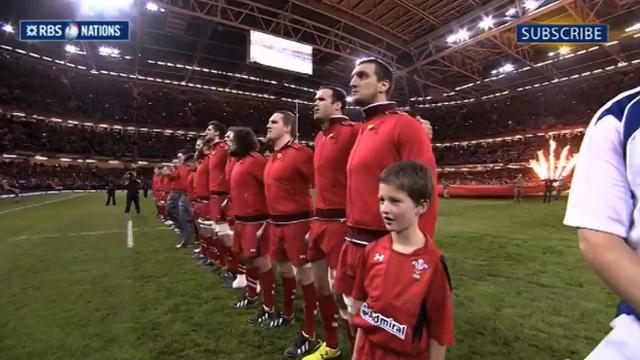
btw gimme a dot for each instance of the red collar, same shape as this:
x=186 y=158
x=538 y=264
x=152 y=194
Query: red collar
x=378 y=109
x=337 y=119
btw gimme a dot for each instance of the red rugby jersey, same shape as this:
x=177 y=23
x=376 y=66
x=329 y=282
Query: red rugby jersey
x=191 y=185
x=387 y=137
x=201 y=181
x=407 y=298
x=288 y=178
x=179 y=178
x=217 y=163
x=247 y=186
x=332 y=148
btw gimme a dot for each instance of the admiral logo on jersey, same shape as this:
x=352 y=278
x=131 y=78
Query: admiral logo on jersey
x=385 y=323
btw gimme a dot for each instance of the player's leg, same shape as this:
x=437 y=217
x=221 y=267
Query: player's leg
x=172 y=208
x=186 y=223
x=136 y=202
x=245 y=243
x=267 y=276
x=296 y=235
x=129 y=200
x=279 y=256
x=326 y=241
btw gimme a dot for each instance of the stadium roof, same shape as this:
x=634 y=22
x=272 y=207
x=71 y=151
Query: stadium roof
x=441 y=54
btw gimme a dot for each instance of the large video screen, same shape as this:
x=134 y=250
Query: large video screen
x=280 y=53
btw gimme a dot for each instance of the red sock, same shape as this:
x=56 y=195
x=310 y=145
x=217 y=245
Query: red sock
x=267 y=281
x=242 y=269
x=222 y=254
x=329 y=315
x=310 y=305
x=252 y=282
x=233 y=261
x=288 y=295
x=350 y=335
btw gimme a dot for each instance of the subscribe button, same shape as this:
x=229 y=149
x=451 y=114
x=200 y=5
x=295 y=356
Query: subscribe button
x=562 y=33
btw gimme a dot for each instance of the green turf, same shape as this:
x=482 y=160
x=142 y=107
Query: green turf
x=522 y=291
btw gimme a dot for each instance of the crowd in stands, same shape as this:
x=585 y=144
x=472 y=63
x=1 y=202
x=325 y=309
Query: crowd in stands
x=27 y=176
x=47 y=137
x=548 y=108
x=505 y=151
x=504 y=176
x=69 y=93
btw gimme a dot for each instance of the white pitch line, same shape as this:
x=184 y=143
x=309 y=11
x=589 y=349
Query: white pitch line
x=39 y=204
x=129 y=233
x=86 y=233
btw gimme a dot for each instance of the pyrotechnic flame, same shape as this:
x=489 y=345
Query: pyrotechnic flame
x=550 y=167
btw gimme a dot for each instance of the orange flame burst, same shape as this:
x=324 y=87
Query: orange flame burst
x=550 y=167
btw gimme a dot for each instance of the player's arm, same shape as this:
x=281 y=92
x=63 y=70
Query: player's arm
x=354 y=356
x=615 y=262
x=306 y=165
x=439 y=309
x=436 y=351
x=600 y=206
x=412 y=143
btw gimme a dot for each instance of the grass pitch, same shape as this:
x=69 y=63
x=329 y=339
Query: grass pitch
x=72 y=289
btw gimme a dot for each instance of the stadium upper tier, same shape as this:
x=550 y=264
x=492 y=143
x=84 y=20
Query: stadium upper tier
x=66 y=92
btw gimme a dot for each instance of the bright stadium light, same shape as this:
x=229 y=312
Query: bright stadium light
x=151 y=6
x=71 y=49
x=531 y=5
x=108 y=51
x=507 y=68
x=102 y=7
x=511 y=12
x=8 y=28
x=486 y=23
x=564 y=50
x=460 y=36
x=552 y=53
x=633 y=28
x=504 y=69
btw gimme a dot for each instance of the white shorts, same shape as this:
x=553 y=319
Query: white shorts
x=622 y=343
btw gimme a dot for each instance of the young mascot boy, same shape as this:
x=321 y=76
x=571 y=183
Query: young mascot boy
x=402 y=293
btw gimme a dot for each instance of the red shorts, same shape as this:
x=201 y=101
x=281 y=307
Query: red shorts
x=289 y=243
x=368 y=350
x=326 y=238
x=247 y=242
x=215 y=207
x=201 y=210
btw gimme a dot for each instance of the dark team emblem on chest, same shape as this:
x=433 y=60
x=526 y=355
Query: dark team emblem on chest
x=419 y=266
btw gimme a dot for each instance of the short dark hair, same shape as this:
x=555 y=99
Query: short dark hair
x=245 y=140
x=382 y=71
x=219 y=127
x=337 y=94
x=411 y=177
x=289 y=119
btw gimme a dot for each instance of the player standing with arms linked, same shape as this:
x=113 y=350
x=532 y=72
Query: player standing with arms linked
x=288 y=178
x=387 y=136
x=603 y=205
x=328 y=228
